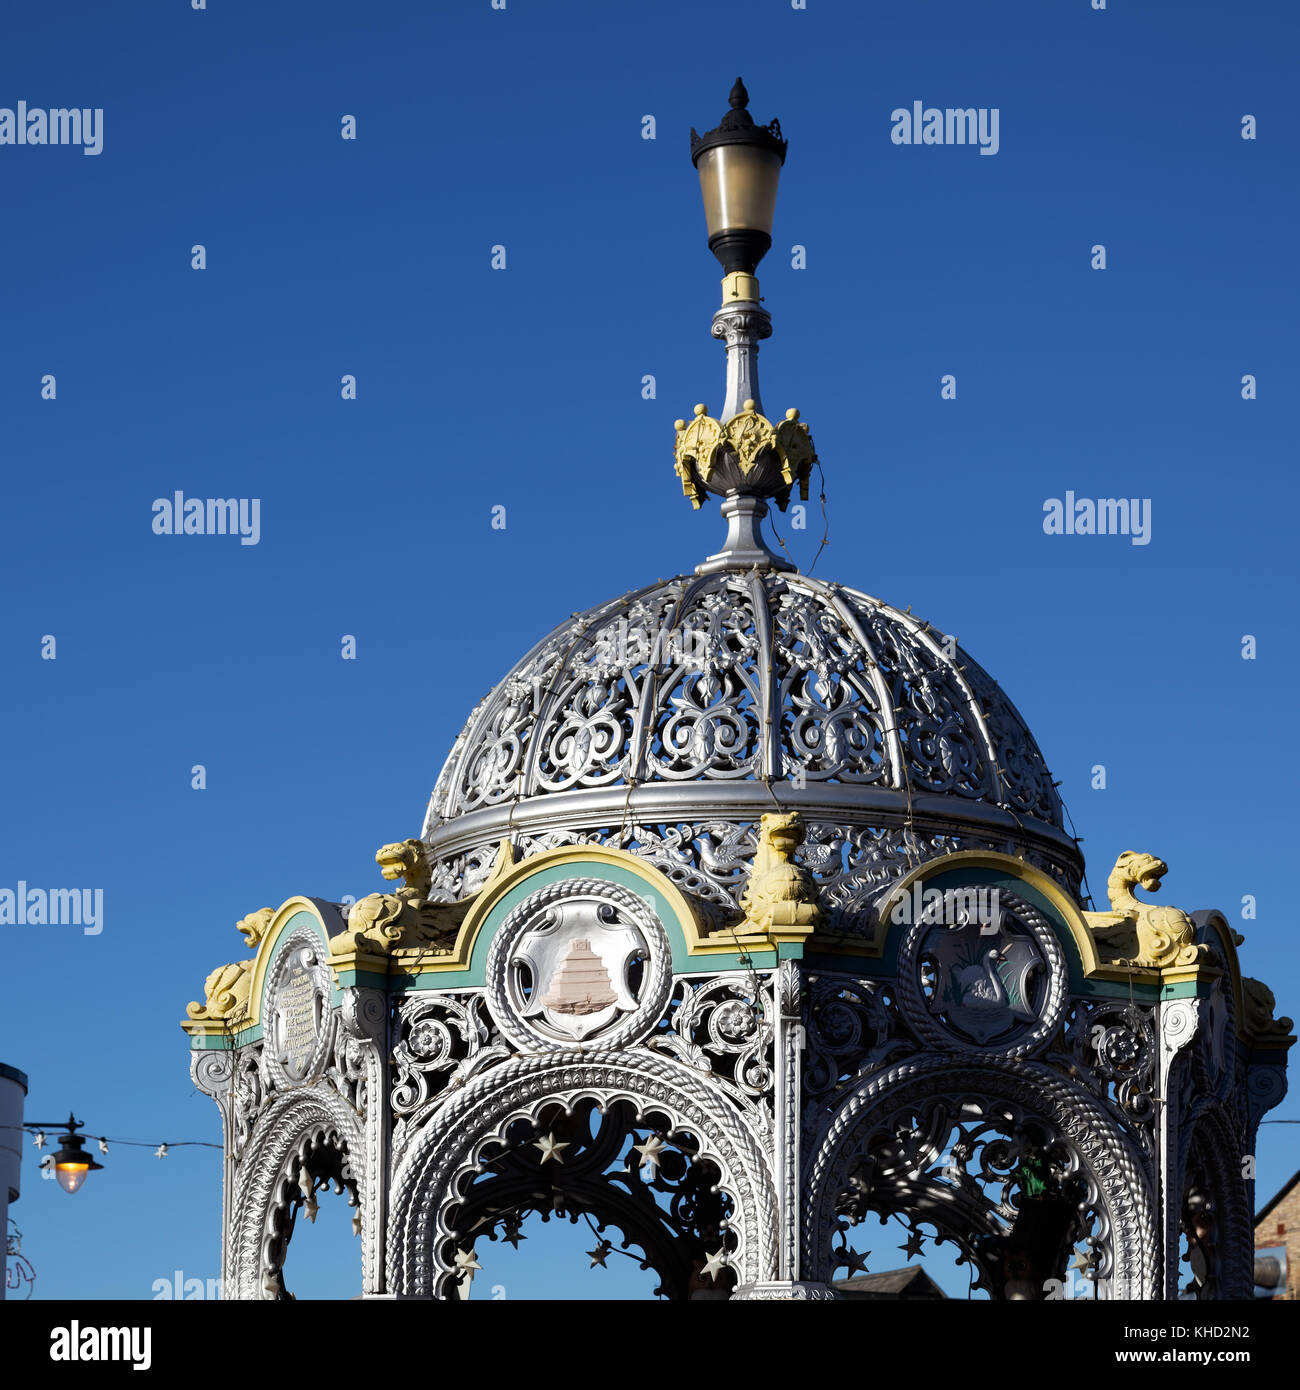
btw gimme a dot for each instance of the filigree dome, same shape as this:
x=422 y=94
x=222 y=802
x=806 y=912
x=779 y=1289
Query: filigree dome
x=703 y=701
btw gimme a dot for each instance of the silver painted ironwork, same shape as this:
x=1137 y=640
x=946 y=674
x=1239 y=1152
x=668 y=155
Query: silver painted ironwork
x=744 y=546
x=742 y=324
x=752 y=1119
x=733 y=689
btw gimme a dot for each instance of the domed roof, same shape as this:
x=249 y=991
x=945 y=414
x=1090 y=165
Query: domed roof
x=739 y=692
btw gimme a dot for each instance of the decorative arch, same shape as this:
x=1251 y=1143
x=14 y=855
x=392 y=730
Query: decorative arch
x=1108 y=1161
x=317 y=1118
x=464 y=964
x=428 y=1186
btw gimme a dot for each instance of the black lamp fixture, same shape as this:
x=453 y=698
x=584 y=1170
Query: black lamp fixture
x=739 y=165
x=72 y=1164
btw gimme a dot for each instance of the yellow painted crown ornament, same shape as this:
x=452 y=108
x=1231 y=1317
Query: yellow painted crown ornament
x=747 y=456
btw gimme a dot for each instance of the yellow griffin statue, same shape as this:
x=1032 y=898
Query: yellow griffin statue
x=781 y=897
x=1139 y=934
x=384 y=922
x=226 y=990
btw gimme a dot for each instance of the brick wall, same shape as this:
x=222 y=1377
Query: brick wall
x=1282 y=1227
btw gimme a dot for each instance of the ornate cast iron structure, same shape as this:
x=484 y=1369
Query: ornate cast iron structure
x=744 y=913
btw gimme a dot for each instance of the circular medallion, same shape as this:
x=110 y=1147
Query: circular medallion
x=980 y=968
x=297 y=1016
x=580 y=960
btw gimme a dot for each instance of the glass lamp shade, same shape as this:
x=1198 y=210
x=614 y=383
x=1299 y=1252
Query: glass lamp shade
x=72 y=1163
x=740 y=166
x=71 y=1175
x=738 y=183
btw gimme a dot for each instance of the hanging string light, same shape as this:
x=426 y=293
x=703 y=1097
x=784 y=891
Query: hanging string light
x=72 y=1165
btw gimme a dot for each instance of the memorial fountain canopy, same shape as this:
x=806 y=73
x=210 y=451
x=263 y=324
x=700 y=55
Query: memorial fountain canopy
x=745 y=911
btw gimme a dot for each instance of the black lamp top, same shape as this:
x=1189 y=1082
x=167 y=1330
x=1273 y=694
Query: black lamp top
x=737 y=128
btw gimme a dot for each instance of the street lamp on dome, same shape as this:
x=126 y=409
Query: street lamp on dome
x=741 y=456
x=739 y=165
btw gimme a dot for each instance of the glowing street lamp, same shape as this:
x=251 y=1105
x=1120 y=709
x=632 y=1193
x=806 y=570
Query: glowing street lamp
x=72 y=1164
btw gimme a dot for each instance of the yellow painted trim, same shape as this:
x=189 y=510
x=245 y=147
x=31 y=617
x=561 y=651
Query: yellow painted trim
x=1079 y=922
x=417 y=962
x=266 y=950
x=217 y=1027
x=973 y=859
x=738 y=286
x=209 y=1027
x=1074 y=917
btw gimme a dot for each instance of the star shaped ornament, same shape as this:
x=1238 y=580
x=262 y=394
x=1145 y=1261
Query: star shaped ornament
x=511 y=1233
x=714 y=1264
x=39 y=1141
x=603 y=1247
x=465 y=1262
x=550 y=1148
x=915 y=1240
x=650 y=1152
x=847 y=1255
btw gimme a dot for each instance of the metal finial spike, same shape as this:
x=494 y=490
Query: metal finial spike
x=739 y=97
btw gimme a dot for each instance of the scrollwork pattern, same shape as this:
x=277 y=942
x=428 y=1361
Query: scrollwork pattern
x=1110 y=1046
x=853 y=1028
x=710 y=860
x=723 y=1028
x=442 y=1041
x=727 y=677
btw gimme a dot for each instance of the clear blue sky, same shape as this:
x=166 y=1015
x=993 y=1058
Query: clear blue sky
x=523 y=388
